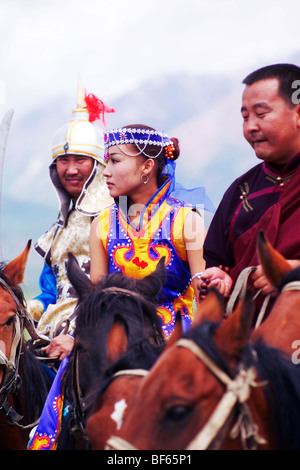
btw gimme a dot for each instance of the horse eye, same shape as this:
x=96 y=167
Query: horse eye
x=11 y=321
x=177 y=413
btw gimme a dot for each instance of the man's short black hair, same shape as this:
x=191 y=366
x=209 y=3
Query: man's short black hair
x=286 y=74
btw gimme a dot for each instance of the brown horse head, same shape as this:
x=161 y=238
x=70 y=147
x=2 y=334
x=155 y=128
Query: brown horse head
x=24 y=384
x=12 y=275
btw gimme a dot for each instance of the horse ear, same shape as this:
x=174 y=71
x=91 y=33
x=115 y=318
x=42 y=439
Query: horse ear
x=211 y=308
x=79 y=280
x=233 y=334
x=274 y=265
x=177 y=332
x=151 y=285
x=16 y=268
x=117 y=340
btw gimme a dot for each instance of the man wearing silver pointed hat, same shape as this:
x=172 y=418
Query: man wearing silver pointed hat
x=76 y=172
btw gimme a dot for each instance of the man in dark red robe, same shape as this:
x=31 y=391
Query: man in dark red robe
x=267 y=196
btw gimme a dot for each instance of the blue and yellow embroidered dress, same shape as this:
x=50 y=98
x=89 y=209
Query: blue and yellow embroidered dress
x=136 y=251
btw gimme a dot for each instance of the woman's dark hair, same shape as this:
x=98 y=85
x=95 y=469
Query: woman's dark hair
x=160 y=160
x=286 y=74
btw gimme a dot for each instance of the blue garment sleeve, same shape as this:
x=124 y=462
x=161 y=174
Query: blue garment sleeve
x=47 y=284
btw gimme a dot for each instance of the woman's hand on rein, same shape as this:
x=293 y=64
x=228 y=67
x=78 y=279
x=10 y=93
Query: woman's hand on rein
x=218 y=278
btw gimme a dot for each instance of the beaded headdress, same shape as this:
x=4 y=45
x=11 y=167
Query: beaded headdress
x=141 y=138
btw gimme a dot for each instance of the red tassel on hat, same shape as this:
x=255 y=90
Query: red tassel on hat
x=96 y=108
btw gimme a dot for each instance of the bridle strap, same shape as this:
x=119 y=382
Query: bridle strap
x=127 y=292
x=200 y=354
x=239 y=288
x=215 y=424
x=117 y=443
x=293 y=285
x=131 y=372
x=239 y=291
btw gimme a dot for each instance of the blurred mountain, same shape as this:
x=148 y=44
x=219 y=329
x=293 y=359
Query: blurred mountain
x=202 y=111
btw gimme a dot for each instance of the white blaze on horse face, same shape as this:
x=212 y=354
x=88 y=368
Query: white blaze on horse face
x=117 y=414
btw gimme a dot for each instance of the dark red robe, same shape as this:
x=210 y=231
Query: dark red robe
x=266 y=197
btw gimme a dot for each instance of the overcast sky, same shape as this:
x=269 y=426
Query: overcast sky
x=116 y=44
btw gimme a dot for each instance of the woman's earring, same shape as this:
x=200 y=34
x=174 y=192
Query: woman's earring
x=144 y=178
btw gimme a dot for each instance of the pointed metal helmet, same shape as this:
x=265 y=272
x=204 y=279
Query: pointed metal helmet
x=82 y=134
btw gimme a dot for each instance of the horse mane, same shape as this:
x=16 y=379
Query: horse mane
x=98 y=305
x=35 y=388
x=283 y=390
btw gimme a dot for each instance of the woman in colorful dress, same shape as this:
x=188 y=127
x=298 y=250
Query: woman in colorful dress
x=146 y=222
